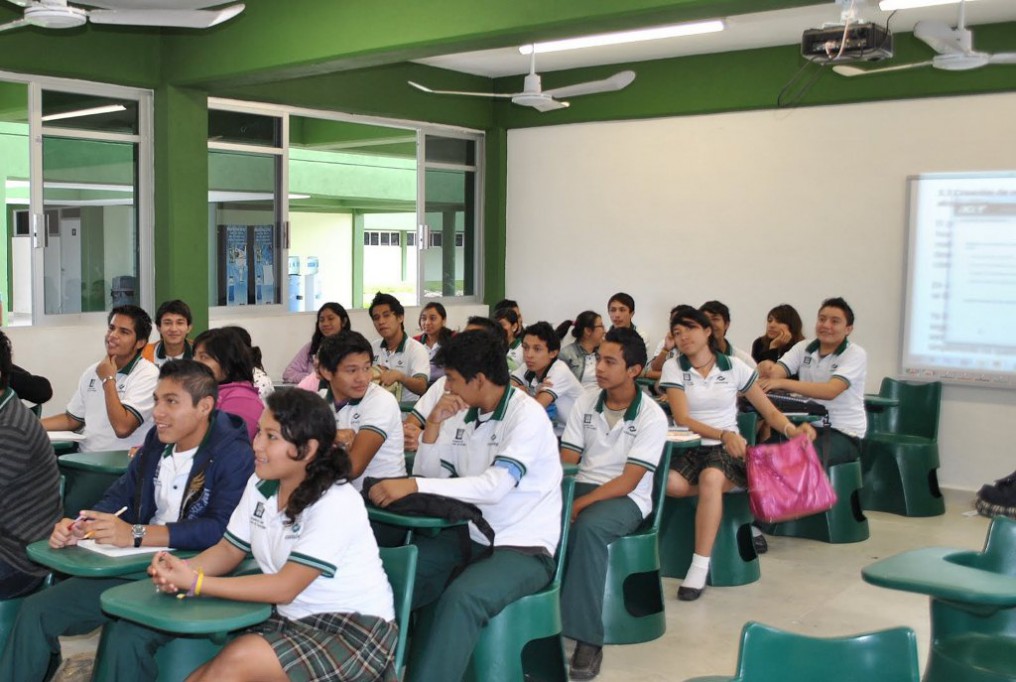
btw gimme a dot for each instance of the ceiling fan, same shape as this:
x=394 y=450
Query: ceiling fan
x=533 y=95
x=168 y=13
x=955 y=47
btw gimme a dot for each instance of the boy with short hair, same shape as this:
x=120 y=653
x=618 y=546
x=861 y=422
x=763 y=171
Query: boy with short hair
x=490 y=444
x=616 y=436
x=402 y=359
x=367 y=417
x=621 y=309
x=719 y=319
x=832 y=371
x=114 y=398
x=174 y=321
x=179 y=491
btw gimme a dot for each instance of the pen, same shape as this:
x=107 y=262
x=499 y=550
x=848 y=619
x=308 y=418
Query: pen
x=90 y=533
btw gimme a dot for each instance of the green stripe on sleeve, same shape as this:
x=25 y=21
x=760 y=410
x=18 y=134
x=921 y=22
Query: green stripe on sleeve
x=137 y=415
x=571 y=446
x=841 y=378
x=236 y=542
x=645 y=465
x=369 y=427
x=327 y=569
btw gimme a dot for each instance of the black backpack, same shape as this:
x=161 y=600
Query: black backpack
x=998 y=499
x=439 y=506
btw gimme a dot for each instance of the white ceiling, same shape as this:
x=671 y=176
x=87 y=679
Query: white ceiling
x=744 y=32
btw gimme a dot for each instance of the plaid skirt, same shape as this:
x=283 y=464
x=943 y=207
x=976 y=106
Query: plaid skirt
x=690 y=463
x=333 y=647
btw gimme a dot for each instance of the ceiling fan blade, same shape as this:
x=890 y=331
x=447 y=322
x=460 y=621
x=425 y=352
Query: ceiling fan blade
x=171 y=18
x=543 y=104
x=941 y=37
x=18 y=23
x=19 y=3
x=851 y=71
x=424 y=88
x=1003 y=58
x=143 y=4
x=618 y=81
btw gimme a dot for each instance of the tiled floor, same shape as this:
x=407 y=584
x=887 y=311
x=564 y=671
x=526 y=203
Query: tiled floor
x=806 y=586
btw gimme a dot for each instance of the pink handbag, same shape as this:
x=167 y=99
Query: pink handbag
x=786 y=481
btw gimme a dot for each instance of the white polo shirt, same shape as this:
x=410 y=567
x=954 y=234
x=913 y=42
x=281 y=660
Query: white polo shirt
x=135 y=384
x=517 y=438
x=411 y=358
x=712 y=399
x=171 y=483
x=637 y=438
x=514 y=355
x=848 y=362
x=376 y=411
x=735 y=352
x=332 y=535
x=426 y=403
x=564 y=388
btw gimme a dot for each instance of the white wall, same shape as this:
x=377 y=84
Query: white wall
x=754 y=209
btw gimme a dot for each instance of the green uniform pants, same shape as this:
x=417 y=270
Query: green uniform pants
x=72 y=607
x=478 y=594
x=585 y=575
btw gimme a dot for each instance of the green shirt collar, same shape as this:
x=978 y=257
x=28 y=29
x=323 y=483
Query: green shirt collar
x=129 y=367
x=267 y=488
x=168 y=450
x=502 y=407
x=188 y=351
x=402 y=344
x=633 y=408
x=814 y=346
x=722 y=362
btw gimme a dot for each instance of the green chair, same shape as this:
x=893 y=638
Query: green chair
x=633 y=598
x=973 y=604
x=734 y=560
x=524 y=640
x=87 y=476
x=899 y=457
x=400 y=565
x=771 y=655
x=845 y=522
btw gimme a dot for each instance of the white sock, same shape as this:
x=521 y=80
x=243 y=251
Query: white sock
x=697 y=572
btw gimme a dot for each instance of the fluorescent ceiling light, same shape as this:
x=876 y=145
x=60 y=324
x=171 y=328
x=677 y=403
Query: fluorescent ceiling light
x=109 y=108
x=621 y=37
x=890 y=5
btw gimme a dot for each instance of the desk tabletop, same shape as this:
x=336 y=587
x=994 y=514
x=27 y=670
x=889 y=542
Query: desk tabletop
x=85 y=563
x=112 y=462
x=877 y=402
x=140 y=603
x=409 y=521
x=935 y=571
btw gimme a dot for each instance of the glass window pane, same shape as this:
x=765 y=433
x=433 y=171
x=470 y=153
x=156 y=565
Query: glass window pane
x=395 y=238
x=451 y=150
x=244 y=128
x=243 y=228
x=449 y=264
x=89 y=112
x=375 y=238
x=386 y=238
x=16 y=243
x=90 y=260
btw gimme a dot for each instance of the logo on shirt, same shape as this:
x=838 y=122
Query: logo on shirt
x=587 y=419
x=259 y=510
x=459 y=433
x=807 y=360
x=356 y=416
x=632 y=430
x=687 y=377
x=296 y=528
x=835 y=365
x=721 y=379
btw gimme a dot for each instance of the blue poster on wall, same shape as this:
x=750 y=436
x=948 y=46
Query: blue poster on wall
x=264 y=264
x=236 y=265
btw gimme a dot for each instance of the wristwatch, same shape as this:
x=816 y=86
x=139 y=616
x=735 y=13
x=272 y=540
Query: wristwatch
x=138 y=531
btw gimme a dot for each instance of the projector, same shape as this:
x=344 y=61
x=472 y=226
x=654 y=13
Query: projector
x=865 y=42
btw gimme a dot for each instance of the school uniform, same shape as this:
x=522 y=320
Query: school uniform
x=155 y=353
x=712 y=400
x=849 y=422
x=581 y=363
x=514 y=355
x=735 y=352
x=436 y=371
x=135 y=384
x=637 y=437
x=344 y=619
x=426 y=403
x=376 y=411
x=410 y=358
x=564 y=388
x=506 y=463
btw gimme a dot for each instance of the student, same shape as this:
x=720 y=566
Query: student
x=513 y=305
x=224 y=352
x=719 y=316
x=417 y=418
x=113 y=401
x=402 y=360
x=580 y=356
x=832 y=371
x=174 y=321
x=262 y=382
x=179 y=490
x=489 y=444
x=702 y=387
x=29 y=486
x=666 y=349
x=621 y=308
x=616 y=435
x=509 y=321
x=367 y=417
x=331 y=319
x=550 y=382
x=783 y=330
x=435 y=334
x=320 y=566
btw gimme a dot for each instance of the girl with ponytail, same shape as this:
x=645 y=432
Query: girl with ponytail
x=580 y=356
x=308 y=530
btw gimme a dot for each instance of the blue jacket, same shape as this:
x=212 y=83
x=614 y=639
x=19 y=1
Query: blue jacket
x=222 y=465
